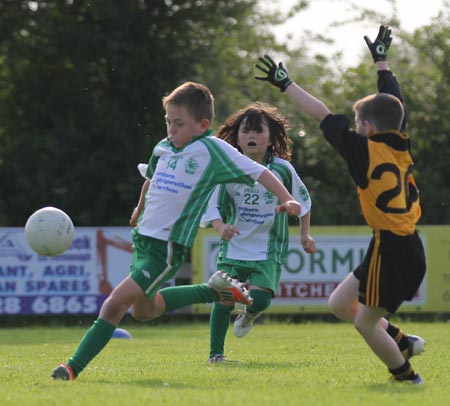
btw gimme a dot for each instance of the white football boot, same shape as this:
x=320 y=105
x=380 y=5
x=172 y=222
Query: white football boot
x=228 y=289
x=244 y=323
x=416 y=346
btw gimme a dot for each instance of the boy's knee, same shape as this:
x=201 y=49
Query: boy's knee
x=342 y=310
x=148 y=310
x=261 y=300
x=333 y=306
x=137 y=315
x=140 y=315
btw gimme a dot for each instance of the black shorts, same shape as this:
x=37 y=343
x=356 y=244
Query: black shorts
x=392 y=270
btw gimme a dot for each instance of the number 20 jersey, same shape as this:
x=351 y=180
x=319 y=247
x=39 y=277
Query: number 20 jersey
x=381 y=166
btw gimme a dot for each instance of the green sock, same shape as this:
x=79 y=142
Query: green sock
x=177 y=297
x=261 y=300
x=91 y=344
x=218 y=327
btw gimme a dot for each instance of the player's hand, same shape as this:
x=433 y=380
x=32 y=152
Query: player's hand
x=291 y=207
x=379 y=48
x=308 y=244
x=277 y=75
x=227 y=231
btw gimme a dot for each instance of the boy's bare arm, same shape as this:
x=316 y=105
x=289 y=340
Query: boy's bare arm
x=140 y=206
x=308 y=243
x=307 y=102
x=277 y=75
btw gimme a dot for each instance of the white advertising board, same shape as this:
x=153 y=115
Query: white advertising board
x=76 y=282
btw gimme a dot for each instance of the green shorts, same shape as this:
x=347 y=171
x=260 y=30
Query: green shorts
x=265 y=274
x=154 y=262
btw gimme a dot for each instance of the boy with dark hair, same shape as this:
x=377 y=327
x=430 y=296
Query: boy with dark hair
x=254 y=240
x=378 y=158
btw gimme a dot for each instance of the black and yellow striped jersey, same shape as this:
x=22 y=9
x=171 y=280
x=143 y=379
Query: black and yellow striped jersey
x=381 y=167
x=390 y=200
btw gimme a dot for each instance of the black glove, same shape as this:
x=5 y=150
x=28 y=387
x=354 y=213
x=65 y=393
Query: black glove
x=277 y=75
x=379 y=48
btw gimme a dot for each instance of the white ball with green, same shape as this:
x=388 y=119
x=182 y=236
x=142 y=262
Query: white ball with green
x=49 y=231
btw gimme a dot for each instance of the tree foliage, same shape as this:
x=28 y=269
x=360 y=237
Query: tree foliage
x=427 y=69
x=81 y=88
x=420 y=62
x=81 y=84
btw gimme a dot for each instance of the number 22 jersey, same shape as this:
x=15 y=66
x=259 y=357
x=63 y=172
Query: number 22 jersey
x=263 y=234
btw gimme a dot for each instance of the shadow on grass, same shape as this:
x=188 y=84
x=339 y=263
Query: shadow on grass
x=395 y=388
x=146 y=383
x=260 y=365
x=51 y=336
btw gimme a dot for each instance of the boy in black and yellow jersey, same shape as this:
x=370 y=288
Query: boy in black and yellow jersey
x=379 y=161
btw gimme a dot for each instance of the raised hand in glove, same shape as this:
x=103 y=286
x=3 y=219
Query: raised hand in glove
x=379 y=48
x=277 y=75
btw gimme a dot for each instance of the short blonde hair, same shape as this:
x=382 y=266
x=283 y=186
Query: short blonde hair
x=383 y=110
x=196 y=98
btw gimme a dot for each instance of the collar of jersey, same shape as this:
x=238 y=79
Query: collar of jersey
x=205 y=134
x=393 y=138
x=268 y=158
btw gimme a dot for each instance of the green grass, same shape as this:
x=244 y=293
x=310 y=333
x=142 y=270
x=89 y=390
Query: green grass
x=284 y=364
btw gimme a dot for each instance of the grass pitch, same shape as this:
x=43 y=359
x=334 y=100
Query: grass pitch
x=312 y=363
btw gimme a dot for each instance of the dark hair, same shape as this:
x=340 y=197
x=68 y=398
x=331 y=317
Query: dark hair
x=383 y=110
x=254 y=115
x=195 y=98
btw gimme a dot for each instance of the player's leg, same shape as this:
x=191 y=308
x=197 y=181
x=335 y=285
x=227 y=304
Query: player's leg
x=262 y=298
x=153 y=263
x=218 y=327
x=403 y=260
x=367 y=323
x=344 y=304
x=220 y=288
x=264 y=279
x=408 y=344
x=150 y=271
x=96 y=338
x=343 y=301
x=145 y=308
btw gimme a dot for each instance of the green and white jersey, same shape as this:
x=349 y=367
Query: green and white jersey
x=263 y=233
x=182 y=181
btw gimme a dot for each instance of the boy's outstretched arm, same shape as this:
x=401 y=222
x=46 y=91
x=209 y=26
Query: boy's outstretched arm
x=288 y=203
x=387 y=82
x=307 y=102
x=277 y=75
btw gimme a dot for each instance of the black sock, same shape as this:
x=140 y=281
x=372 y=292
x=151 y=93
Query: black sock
x=404 y=373
x=400 y=338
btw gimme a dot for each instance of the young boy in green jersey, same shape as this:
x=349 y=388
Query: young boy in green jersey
x=254 y=239
x=378 y=158
x=182 y=172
